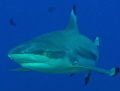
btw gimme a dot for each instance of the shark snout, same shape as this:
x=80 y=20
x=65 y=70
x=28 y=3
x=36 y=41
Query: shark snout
x=32 y=53
x=22 y=49
x=23 y=53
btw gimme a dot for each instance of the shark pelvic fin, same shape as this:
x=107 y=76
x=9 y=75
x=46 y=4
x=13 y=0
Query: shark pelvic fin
x=72 y=25
x=87 y=77
x=71 y=75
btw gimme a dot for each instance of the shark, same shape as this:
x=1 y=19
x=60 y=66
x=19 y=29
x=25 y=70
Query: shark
x=60 y=52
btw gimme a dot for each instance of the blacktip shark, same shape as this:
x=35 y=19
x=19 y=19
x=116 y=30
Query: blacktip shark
x=60 y=52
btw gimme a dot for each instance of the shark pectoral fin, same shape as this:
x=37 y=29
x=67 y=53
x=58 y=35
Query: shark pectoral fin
x=100 y=73
x=87 y=76
x=112 y=72
x=20 y=70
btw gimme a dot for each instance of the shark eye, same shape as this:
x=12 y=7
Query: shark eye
x=46 y=53
x=51 y=54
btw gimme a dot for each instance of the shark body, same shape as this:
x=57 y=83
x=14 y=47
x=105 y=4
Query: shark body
x=60 y=52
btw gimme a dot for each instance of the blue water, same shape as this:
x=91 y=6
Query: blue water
x=101 y=17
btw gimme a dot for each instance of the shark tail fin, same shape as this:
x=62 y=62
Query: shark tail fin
x=96 y=41
x=72 y=25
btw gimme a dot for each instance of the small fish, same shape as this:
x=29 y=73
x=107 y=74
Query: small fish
x=51 y=9
x=12 y=22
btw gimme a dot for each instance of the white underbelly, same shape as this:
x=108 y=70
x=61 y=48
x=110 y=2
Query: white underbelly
x=53 y=66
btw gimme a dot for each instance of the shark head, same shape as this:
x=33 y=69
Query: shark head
x=60 y=52
x=39 y=55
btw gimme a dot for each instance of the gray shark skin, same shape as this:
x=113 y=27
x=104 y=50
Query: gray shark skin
x=60 y=52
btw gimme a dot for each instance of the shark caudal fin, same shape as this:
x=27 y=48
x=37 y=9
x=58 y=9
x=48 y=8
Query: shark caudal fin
x=72 y=25
x=96 y=41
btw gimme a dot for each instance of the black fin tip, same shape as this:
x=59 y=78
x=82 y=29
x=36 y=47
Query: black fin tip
x=116 y=71
x=87 y=78
x=74 y=9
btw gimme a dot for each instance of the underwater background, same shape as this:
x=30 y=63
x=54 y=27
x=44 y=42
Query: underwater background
x=37 y=17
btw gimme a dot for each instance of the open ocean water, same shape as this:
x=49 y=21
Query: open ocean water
x=37 y=17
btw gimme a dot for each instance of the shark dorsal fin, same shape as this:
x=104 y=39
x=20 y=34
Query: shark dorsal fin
x=72 y=25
